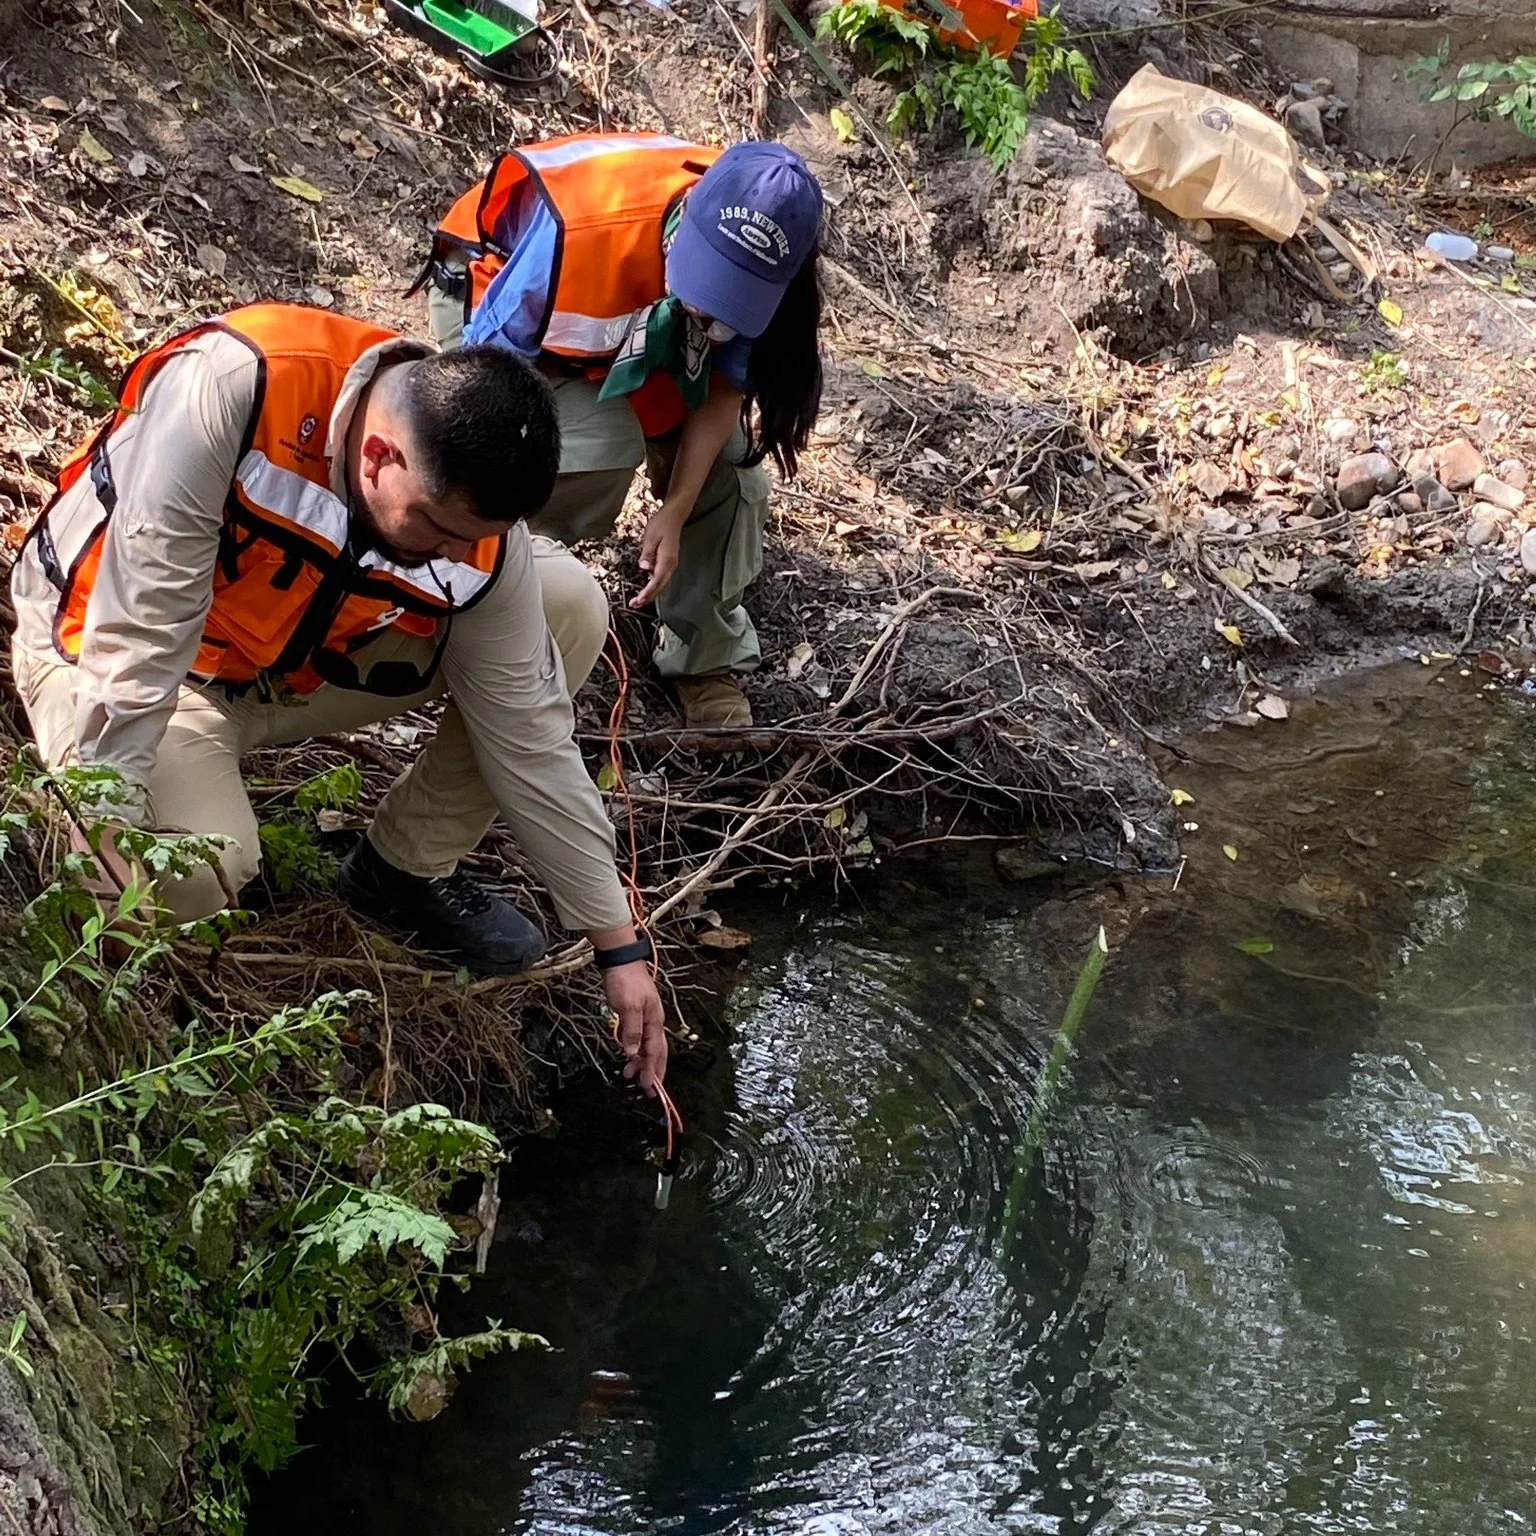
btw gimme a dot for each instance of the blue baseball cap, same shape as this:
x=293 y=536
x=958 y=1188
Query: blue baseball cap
x=751 y=221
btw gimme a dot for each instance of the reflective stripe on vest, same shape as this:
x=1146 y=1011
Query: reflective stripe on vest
x=286 y=585
x=316 y=511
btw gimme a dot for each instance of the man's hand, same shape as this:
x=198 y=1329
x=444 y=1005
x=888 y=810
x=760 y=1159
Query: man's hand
x=659 y=551
x=633 y=997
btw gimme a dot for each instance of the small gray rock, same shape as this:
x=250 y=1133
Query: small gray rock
x=1491 y=489
x=1513 y=472
x=1365 y=477
x=1480 y=531
x=1460 y=464
x=1305 y=120
x=1433 y=494
x=1409 y=502
x=1340 y=429
x=1528 y=551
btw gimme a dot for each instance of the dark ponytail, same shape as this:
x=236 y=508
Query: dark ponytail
x=784 y=375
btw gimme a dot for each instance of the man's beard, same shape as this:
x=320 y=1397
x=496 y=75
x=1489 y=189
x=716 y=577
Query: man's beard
x=365 y=537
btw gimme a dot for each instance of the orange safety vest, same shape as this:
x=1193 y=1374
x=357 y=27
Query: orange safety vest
x=288 y=585
x=609 y=194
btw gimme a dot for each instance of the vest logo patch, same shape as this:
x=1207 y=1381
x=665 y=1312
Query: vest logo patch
x=307 y=429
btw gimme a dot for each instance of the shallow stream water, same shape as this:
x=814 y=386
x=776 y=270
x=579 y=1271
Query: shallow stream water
x=1274 y=1270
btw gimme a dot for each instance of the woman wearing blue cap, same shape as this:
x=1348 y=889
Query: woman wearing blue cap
x=669 y=293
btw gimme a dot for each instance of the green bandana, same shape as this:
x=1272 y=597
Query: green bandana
x=662 y=335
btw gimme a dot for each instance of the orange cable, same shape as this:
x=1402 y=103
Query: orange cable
x=619 y=666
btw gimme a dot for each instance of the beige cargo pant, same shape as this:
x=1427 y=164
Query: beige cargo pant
x=433 y=814
x=704 y=627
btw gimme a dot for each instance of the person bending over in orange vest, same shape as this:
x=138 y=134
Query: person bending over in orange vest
x=295 y=524
x=669 y=293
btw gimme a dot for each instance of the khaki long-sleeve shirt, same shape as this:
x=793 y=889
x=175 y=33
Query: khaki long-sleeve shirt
x=173 y=465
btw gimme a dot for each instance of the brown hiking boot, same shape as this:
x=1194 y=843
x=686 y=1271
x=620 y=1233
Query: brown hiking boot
x=713 y=704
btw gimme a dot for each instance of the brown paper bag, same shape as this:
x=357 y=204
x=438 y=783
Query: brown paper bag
x=1203 y=155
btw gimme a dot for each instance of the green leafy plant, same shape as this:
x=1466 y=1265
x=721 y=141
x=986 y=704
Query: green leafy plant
x=290 y=851
x=337 y=789
x=1050 y=54
x=64 y=370
x=1384 y=373
x=981 y=88
x=11 y=1352
x=292 y=856
x=1482 y=89
x=277 y=1227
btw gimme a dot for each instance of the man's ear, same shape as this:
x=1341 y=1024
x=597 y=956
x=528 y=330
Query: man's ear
x=377 y=451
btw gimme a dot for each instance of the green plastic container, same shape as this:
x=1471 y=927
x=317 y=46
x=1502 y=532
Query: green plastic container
x=485 y=34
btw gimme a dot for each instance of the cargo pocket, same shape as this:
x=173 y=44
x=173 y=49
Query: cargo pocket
x=742 y=562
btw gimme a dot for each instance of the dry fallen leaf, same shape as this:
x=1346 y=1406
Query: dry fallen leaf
x=1273 y=707
x=212 y=260
x=296 y=186
x=724 y=938
x=244 y=166
x=54 y=104
x=95 y=148
x=1210 y=480
x=1231 y=631
x=429 y=1395
x=138 y=164
x=800 y=658
x=1096 y=570
x=1390 y=311
x=1230 y=851
x=1181 y=797
x=1283 y=573
x=1239 y=578
x=1020 y=541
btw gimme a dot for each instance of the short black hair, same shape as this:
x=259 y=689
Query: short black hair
x=484 y=427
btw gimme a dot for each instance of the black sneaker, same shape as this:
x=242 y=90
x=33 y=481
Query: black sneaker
x=451 y=916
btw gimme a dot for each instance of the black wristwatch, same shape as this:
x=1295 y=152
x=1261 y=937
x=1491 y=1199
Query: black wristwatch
x=624 y=954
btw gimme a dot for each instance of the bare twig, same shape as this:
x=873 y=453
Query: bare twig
x=1247 y=599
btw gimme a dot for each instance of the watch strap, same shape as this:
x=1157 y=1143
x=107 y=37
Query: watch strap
x=624 y=954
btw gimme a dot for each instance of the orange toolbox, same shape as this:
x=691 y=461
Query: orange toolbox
x=995 y=25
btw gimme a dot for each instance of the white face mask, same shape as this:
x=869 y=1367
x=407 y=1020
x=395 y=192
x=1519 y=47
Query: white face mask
x=716 y=332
